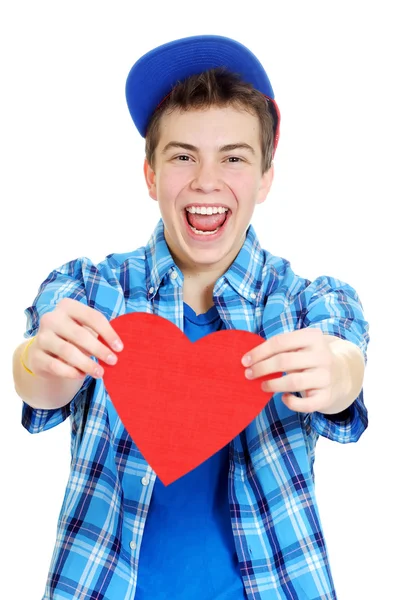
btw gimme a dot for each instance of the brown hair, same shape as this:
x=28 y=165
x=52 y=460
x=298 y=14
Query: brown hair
x=215 y=87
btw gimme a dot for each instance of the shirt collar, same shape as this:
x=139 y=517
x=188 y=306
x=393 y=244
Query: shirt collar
x=159 y=261
x=249 y=275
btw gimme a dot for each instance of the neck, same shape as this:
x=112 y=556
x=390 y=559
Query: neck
x=198 y=290
x=199 y=280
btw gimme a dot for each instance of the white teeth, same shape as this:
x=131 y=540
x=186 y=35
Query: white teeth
x=206 y=210
x=203 y=232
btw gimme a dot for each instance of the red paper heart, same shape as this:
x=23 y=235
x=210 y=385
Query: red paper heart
x=181 y=401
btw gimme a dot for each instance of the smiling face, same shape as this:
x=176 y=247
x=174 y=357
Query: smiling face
x=207 y=178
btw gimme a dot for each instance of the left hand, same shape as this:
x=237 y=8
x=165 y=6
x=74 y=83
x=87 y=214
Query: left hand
x=309 y=363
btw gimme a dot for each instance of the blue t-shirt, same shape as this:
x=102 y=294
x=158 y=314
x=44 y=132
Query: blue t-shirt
x=188 y=550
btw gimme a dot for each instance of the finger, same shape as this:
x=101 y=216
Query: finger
x=90 y=330
x=316 y=403
x=284 y=363
x=60 y=369
x=299 y=382
x=61 y=349
x=80 y=337
x=44 y=364
x=284 y=342
x=93 y=319
x=92 y=333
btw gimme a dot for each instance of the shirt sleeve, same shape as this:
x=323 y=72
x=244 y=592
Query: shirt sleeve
x=335 y=308
x=79 y=280
x=36 y=420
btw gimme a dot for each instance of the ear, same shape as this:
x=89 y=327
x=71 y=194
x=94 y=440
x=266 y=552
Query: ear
x=265 y=184
x=150 y=179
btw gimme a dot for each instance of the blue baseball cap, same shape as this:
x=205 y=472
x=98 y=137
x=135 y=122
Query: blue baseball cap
x=155 y=74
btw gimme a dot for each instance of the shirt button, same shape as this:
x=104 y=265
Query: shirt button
x=253 y=295
x=145 y=481
x=174 y=275
x=151 y=290
x=133 y=545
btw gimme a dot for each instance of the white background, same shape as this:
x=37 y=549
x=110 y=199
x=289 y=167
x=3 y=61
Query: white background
x=72 y=185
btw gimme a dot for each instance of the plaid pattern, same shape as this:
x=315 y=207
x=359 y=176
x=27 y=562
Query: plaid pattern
x=275 y=520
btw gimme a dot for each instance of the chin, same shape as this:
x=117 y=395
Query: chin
x=210 y=256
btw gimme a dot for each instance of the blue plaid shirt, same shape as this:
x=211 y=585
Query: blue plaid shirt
x=275 y=520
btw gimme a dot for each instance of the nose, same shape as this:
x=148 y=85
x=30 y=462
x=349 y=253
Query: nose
x=207 y=178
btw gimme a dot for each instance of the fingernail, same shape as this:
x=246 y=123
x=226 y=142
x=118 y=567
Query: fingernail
x=249 y=373
x=118 y=346
x=99 y=371
x=246 y=360
x=111 y=359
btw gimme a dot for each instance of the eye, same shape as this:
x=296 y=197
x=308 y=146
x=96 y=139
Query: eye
x=182 y=158
x=234 y=159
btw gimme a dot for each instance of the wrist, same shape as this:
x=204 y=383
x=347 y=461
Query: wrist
x=25 y=357
x=341 y=382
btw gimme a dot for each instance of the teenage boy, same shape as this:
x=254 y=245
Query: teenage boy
x=245 y=523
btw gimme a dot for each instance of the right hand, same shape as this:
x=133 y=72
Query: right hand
x=67 y=338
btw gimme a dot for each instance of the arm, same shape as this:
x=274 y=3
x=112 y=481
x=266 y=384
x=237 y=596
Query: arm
x=64 y=321
x=62 y=353
x=323 y=360
x=349 y=369
x=42 y=392
x=334 y=307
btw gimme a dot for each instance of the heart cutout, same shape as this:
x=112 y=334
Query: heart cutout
x=181 y=401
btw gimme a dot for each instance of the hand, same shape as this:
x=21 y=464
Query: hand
x=308 y=361
x=67 y=338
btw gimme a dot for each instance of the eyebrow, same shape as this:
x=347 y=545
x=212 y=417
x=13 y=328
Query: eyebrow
x=191 y=148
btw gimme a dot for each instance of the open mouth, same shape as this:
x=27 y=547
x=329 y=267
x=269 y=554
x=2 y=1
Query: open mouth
x=206 y=220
